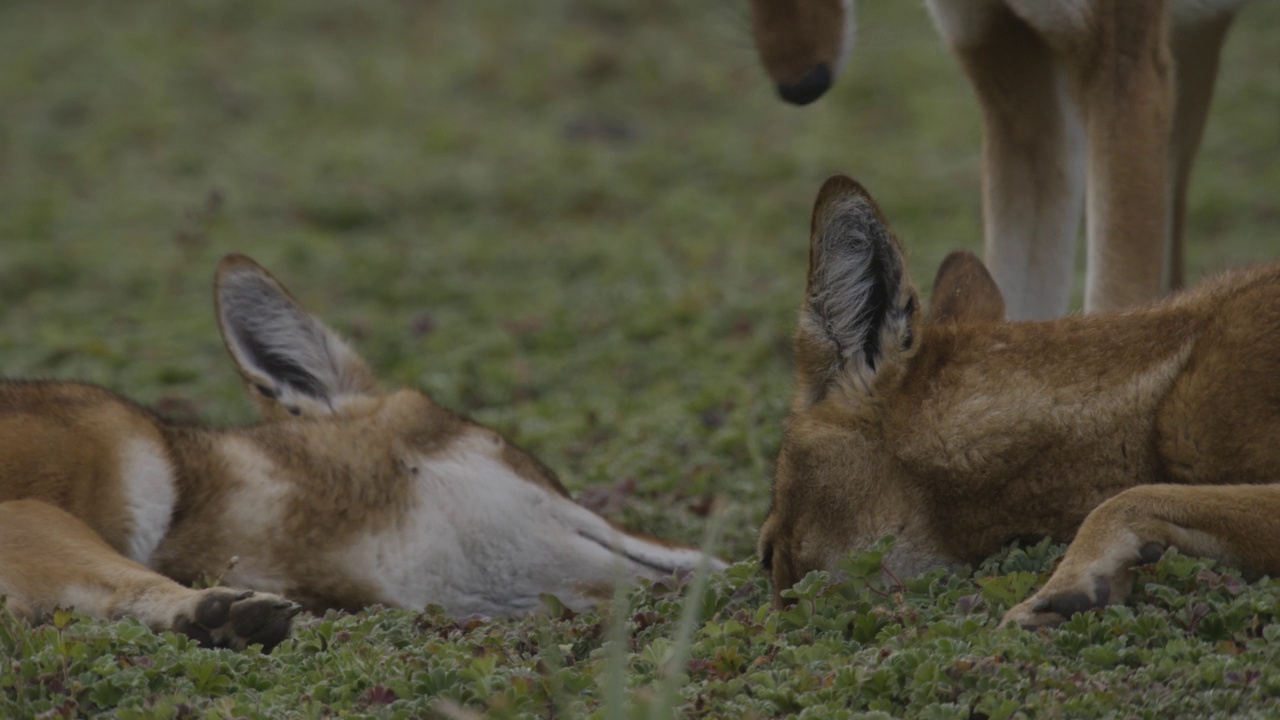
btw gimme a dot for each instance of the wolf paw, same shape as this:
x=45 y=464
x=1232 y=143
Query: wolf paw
x=1074 y=590
x=236 y=619
x=1050 y=608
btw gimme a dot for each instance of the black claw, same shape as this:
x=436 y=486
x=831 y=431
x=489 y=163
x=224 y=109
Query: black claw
x=212 y=611
x=1151 y=552
x=194 y=631
x=1069 y=603
x=1101 y=591
x=246 y=619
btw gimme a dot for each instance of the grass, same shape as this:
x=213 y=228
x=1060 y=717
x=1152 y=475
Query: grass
x=583 y=223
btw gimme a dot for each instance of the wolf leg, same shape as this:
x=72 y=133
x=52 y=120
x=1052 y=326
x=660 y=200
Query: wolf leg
x=1235 y=524
x=50 y=559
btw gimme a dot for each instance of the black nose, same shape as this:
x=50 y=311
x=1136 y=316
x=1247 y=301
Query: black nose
x=808 y=88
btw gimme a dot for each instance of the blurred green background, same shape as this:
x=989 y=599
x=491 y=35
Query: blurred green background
x=583 y=222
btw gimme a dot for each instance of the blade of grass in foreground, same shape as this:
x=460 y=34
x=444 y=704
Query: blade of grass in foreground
x=663 y=706
x=613 y=691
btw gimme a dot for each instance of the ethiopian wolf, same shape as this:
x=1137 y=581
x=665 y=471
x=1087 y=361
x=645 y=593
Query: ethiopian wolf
x=957 y=431
x=346 y=495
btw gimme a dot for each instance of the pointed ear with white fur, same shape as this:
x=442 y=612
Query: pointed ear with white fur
x=291 y=363
x=860 y=311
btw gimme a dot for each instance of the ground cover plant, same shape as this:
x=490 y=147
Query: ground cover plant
x=583 y=223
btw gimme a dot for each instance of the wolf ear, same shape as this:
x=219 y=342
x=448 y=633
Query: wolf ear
x=964 y=292
x=291 y=362
x=860 y=310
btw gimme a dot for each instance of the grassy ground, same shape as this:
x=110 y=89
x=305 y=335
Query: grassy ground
x=584 y=223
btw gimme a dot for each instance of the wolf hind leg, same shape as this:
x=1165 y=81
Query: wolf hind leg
x=50 y=559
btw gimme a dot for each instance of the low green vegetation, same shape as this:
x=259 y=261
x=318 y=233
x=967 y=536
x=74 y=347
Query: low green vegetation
x=584 y=223
x=1197 y=642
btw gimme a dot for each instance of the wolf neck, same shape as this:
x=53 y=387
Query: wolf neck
x=310 y=457
x=280 y=498
x=1010 y=410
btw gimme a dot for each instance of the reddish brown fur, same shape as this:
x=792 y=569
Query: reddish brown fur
x=1153 y=427
x=794 y=37
x=337 y=500
x=964 y=293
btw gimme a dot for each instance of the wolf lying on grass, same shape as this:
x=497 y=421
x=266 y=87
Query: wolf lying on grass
x=958 y=431
x=345 y=496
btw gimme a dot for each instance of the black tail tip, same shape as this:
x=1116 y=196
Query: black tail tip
x=809 y=88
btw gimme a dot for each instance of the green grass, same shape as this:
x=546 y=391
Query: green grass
x=585 y=224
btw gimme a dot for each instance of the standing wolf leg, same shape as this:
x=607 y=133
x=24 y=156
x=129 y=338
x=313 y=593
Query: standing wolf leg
x=1231 y=523
x=1123 y=77
x=1032 y=175
x=49 y=559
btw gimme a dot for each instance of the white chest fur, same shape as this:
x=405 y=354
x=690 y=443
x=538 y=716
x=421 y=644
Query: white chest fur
x=149 y=495
x=481 y=539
